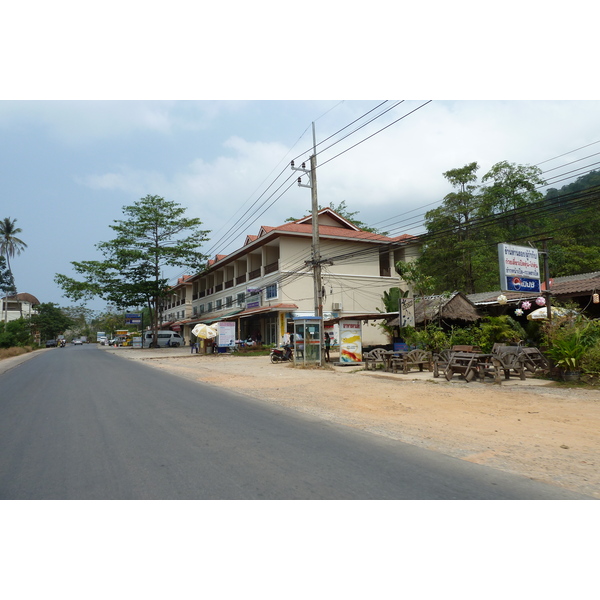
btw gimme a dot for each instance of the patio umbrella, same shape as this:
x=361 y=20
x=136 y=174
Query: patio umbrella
x=542 y=313
x=205 y=332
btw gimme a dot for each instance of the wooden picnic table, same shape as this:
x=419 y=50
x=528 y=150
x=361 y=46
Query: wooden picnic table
x=468 y=365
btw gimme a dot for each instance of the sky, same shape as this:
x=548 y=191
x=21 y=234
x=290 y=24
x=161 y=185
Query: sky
x=68 y=167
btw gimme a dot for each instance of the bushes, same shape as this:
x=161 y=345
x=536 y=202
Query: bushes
x=490 y=331
x=574 y=344
x=15 y=333
x=590 y=362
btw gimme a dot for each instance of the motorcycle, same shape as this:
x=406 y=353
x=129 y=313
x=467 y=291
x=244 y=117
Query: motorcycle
x=284 y=354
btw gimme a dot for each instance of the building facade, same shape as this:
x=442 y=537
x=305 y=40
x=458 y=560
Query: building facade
x=17 y=306
x=269 y=280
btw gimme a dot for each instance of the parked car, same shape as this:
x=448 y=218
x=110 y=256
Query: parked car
x=165 y=338
x=50 y=343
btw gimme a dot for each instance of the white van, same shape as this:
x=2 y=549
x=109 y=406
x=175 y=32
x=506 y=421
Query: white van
x=164 y=338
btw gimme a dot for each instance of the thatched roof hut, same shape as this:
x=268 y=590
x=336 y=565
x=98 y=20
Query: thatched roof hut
x=456 y=307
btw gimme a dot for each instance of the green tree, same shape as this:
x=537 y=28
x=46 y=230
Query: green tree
x=7 y=284
x=50 y=320
x=450 y=245
x=155 y=235
x=462 y=237
x=10 y=245
x=15 y=333
x=573 y=223
x=82 y=318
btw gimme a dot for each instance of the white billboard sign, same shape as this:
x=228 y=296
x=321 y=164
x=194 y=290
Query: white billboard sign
x=519 y=268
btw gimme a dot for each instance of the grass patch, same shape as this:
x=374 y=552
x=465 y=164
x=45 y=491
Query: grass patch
x=16 y=351
x=252 y=352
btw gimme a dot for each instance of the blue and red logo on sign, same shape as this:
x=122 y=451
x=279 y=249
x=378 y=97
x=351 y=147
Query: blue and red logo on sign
x=521 y=284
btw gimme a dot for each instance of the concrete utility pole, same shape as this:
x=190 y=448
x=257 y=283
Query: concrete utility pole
x=546 y=256
x=547 y=277
x=316 y=248
x=315 y=261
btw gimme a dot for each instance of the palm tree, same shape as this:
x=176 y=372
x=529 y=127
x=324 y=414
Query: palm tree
x=10 y=245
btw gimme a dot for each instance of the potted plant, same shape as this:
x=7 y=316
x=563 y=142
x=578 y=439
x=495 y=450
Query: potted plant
x=567 y=350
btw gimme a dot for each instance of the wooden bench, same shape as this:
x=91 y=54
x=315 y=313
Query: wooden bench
x=375 y=357
x=465 y=364
x=506 y=359
x=535 y=361
x=442 y=359
x=414 y=358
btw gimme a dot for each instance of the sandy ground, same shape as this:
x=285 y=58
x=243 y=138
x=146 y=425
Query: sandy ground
x=534 y=428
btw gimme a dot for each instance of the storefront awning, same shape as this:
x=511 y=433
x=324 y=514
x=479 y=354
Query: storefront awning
x=208 y=321
x=266 y=309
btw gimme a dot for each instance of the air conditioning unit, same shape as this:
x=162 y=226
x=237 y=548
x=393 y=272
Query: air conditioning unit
x=336 y=306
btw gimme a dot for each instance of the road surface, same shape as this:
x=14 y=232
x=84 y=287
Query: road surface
x=80 y=423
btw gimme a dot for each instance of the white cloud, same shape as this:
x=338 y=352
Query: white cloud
x=396 y=171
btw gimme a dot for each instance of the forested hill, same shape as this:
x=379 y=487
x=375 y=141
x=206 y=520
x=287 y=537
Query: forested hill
x=585 y=181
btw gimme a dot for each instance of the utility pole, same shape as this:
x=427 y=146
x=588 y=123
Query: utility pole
x=547 y=278
x=315 y=261
x=316 y=248
x=546 y=293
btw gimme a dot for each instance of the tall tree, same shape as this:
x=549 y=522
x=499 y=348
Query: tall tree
x=460 y=247
x=49 y=320
x=10 y=245
x=450 y=243
x=154 y=236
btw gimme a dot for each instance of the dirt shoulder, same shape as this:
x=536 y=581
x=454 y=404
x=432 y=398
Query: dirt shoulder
x=532 y=428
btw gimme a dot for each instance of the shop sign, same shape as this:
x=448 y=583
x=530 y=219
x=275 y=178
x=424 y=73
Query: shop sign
x=350 y=342
x=519 y=268
x=253 y=299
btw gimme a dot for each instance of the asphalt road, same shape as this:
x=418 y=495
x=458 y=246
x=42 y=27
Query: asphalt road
x=80 y=423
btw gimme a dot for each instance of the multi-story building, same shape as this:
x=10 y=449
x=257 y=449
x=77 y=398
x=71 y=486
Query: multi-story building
x=17 y=306
x=269 y=280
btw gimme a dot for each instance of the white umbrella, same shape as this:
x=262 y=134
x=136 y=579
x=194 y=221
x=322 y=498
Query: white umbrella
x=205 y=332
x=542 y=313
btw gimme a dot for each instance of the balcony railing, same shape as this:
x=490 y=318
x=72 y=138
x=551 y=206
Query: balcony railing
x=272 y=267
x=254 y=274
x=240 y=279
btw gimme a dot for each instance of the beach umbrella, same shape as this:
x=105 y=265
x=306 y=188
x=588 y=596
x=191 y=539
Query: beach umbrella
x=542 y=313
x=205 y=332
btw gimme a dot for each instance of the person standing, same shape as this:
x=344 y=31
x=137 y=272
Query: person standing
x=327 y=346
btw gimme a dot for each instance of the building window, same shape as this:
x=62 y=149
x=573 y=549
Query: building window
x=219 y=304
x=229 y=302
x=384 y=263
x=210 y=306
x=240 y=299
x=201 y=308
x=272 y=291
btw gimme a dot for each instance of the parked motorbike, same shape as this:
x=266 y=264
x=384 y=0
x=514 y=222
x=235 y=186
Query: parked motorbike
x=284 y=354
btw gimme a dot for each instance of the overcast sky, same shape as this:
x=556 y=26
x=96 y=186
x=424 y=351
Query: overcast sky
x=78 y=144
